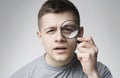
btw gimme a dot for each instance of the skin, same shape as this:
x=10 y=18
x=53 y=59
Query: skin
x=51 y=39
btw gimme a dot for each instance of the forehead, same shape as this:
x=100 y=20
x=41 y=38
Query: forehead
x=53 y=19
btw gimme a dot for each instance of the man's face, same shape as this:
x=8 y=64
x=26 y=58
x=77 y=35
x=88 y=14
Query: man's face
x=57 y=47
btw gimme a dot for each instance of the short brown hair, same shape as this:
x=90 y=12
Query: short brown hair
x=58 y=6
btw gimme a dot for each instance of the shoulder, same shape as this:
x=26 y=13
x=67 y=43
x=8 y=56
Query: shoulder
x=26 y=71
x=103 y=70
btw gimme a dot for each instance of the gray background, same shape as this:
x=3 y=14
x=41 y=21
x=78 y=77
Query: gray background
x=20 y=45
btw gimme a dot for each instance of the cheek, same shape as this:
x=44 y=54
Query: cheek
x=47 y=42
x=72 y=44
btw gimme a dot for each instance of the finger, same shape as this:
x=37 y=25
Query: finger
x=90 y=39
x=84 y=50
x=83 y=55
x=84 y=45
x=87 y=39
x=87 y=54
x=81 y=39
x=92 y=50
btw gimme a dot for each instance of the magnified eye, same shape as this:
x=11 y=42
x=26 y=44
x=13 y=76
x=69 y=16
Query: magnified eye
x=68 y=29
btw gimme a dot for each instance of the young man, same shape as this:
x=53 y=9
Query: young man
x=60 y=60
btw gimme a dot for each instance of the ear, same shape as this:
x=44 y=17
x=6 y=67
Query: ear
x=81 y=32
x=39 y=34
x=40 y=37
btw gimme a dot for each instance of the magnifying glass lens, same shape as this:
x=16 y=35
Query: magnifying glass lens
x=69 y=29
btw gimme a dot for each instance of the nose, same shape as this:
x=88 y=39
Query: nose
x=59 y=37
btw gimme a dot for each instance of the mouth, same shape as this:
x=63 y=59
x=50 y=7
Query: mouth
x=60 y=49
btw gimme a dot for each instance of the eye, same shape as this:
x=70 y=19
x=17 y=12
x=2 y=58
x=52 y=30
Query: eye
x=68 y=29
x=50 y=31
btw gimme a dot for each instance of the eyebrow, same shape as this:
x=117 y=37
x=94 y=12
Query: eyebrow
x=50 y=27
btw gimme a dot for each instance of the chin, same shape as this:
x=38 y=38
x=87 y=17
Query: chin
x=62 y=58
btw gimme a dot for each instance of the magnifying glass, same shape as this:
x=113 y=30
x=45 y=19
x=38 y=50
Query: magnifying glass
x=70 y=29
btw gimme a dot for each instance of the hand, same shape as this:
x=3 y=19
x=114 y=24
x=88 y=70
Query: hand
x=88 y=56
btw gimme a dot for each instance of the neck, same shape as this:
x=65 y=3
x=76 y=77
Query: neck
x=55 y=63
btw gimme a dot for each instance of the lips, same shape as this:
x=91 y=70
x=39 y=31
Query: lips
x=60 y=49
